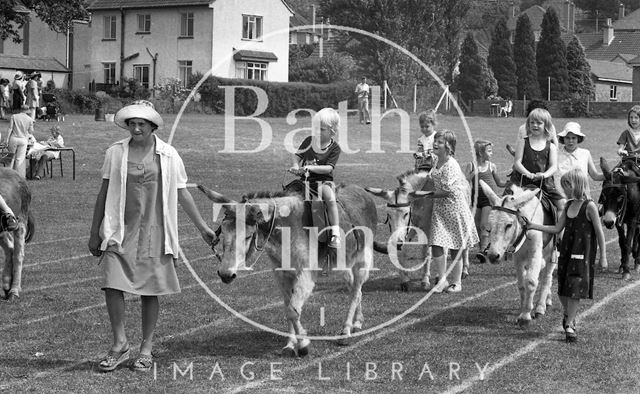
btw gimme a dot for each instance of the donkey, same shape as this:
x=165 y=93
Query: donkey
x=531 y=250
x=275 y=220
x=14 y=189
x=620 y=199
x=405 y=209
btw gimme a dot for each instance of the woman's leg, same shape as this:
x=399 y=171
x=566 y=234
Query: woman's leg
x=329 y=198
x=19 y=148
x=439 y=263
x=115 y=308
x=456 y=272
x=150 y=311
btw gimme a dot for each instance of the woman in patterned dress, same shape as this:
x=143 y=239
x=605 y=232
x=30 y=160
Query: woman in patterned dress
x=135 y=227
x=452 y=225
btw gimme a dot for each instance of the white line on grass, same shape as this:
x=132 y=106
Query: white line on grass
x=101 y=304
x=377 y=335
x=466 y=384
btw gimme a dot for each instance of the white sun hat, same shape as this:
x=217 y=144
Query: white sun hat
x=141 y=109
x=573 y=128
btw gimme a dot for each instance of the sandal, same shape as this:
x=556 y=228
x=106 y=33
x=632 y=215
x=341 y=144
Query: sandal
x=113 y=359
x=143 y=363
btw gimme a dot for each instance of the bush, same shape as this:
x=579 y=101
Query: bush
x=72 y=101
x=283 y=96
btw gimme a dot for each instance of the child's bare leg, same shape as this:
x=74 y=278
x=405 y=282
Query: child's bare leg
x=329 y=198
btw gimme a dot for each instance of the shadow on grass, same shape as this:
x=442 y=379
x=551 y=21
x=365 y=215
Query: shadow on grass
x=44 y=364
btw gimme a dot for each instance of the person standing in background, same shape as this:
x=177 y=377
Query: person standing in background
x=362 y=91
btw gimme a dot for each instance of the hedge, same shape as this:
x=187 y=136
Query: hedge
x=284 y=97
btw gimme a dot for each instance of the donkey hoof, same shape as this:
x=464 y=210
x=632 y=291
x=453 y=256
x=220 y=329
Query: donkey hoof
x=404 y=287
x=288 y=351
x=303 y=351
x=626 y=276
x=537 y=315
x=465 y=274
x=523 y=323
x=12 y=296
x=345 y=339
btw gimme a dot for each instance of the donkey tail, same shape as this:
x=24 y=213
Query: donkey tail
x=31 y=228
x=380 y=247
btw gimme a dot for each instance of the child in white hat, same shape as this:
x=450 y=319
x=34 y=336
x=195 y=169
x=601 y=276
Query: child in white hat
x=570 y=156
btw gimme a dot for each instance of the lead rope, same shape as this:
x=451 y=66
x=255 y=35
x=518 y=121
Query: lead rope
x=260 y=249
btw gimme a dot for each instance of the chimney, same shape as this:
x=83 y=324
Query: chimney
x=607 y=33
x=313 y=17
x=620 y=11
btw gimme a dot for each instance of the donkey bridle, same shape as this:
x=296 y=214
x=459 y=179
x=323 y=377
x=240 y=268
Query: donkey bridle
x=398 y=205
x=520 y=238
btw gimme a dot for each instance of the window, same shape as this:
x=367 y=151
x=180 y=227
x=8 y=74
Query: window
x=141 y=74
x=185 y=69
x=613 y=93
x=251 y=27
x=144 y=23
x=252 y=70
x=109 y=73
x=186 y=24
x=109 y=28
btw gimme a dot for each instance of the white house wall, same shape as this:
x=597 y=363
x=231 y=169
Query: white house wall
x=227 y=33
x=603 y=91
x=43 y=42
x=163 y=40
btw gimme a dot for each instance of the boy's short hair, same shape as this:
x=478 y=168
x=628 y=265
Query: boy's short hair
x=634 y=110
x=428 y=116
x=480 y=147
x=541 y=115
x=449 y=140
x=577 y=179
x=327 y=117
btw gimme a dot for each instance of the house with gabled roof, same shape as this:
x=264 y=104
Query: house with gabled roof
x=612 y=81
x=150 y=40
x=41 y=49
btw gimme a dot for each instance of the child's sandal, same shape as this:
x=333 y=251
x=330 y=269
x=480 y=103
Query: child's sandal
x=143 y=363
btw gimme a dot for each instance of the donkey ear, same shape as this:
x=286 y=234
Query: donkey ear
x=419 y=194
x=525 y=197
x=384 y=194
x=488 y=191
x=214 y=196
x=604 y=166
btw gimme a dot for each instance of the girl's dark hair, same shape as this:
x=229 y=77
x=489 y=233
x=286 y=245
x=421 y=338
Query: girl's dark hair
x=449 y=140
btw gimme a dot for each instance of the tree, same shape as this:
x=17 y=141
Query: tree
x=327 y=69
x=470 y=81
x=524 y=54
x=551 y=58
x=57 y=14
x=490 y=87
x=580 y=82
x=430 y=30
x=500 y=60
x=525 y=4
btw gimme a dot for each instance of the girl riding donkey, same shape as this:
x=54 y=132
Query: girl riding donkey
x=536 y=160
x=316 y=158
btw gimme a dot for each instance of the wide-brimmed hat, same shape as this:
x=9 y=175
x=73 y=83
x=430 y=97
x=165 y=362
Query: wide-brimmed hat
x=573 y=128
x=141 y=109
x=35 y=74
x=19 y=75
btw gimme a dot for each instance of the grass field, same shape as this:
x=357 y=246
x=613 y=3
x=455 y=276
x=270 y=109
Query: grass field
x=52 y=338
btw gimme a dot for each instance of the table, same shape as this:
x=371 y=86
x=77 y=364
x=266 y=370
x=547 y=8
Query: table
x=61 y=150
x=494 y=109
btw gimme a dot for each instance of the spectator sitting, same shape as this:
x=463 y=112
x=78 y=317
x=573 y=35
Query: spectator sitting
x=42 y=154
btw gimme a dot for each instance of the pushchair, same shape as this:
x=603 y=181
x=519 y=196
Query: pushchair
x=51 y=109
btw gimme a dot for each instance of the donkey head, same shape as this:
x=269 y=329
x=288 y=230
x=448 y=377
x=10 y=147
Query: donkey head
x=504 y=223
x=399 y=205
x=237 y=231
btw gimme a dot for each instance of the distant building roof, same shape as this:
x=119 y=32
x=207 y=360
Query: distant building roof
x=624 y=42
x=19 y=62
x=629 y=22
x=117 y=4
x=535 y=14
x=611 y=71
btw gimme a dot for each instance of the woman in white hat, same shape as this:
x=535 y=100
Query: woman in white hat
x=18 y=94
x=135 y=227
x=570 y=156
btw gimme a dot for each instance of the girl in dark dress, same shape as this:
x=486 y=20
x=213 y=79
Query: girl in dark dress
x=582 y=236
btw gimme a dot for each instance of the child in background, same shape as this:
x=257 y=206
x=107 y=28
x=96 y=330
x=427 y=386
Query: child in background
x=452 y=225
x=582 y=236
x=424 y=156
x=316 y=158
x=629 y=140
x=570 y=156
x=488 y=173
